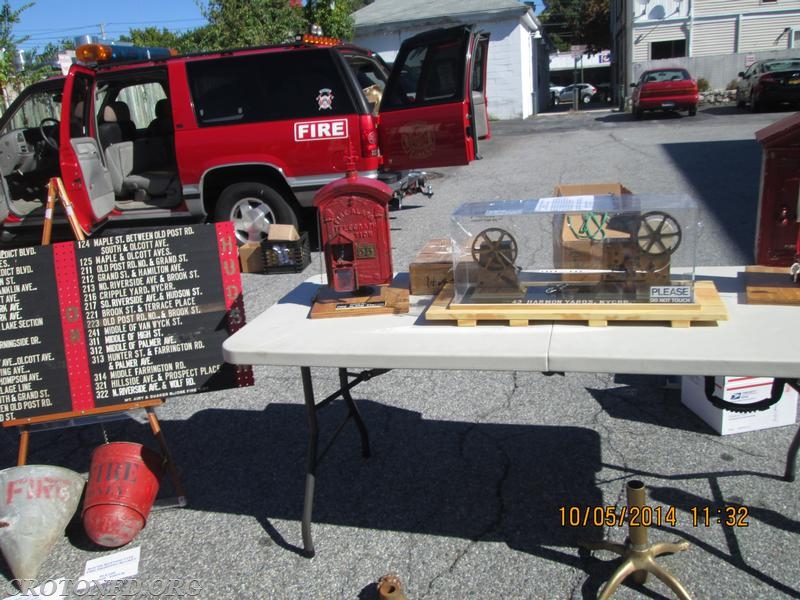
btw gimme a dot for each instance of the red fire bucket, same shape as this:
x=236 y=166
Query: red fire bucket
x=123 y=483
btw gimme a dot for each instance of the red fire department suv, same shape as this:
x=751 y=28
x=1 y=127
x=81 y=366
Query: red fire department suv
x=245 y=135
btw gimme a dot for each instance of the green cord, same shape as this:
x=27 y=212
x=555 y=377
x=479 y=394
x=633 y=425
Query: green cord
x=584 y=232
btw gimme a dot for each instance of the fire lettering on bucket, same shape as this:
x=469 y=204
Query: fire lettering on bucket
x=116 y=471
x=29 y=488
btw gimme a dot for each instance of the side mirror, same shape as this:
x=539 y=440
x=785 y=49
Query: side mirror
x=633 y=85
x=741 y=73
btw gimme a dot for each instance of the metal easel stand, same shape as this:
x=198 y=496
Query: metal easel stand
x=56 y=191
x=347 y=381
x=101 y=416
x=638 y=556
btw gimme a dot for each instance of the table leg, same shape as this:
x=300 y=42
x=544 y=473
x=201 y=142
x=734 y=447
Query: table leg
x=311 y=461
x=351 y=405
x=791 y=457
x=314 y=454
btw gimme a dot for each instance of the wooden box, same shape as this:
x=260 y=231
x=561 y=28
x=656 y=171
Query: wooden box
x=570 y=250
x=431 y=268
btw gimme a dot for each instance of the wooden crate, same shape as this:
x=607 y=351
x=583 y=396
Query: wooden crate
x=431 y=268
x=771 y=285
x=708 y=306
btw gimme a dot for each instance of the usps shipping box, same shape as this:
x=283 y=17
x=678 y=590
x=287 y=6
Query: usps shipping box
x=738 y=389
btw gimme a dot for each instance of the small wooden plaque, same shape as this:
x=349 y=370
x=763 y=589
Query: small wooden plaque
x=380 y=300
x=771 y=285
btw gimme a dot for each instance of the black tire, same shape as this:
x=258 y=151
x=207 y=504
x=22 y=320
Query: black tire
x=755 y=103
x=252 y=206
x=638 y=112
x=692 y=111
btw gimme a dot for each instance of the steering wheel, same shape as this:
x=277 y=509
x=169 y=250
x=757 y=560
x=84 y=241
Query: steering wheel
x=53 y=143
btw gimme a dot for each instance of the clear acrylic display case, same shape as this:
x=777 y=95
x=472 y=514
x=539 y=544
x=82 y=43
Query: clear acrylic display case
x=593 y=249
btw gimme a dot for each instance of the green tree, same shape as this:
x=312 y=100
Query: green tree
x=9 y=76
x=334 y=16
x=151 y=36
x=239 y=23
x=578 y=22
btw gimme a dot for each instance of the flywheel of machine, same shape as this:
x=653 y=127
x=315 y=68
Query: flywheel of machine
x=658 y=233
x=494 y=249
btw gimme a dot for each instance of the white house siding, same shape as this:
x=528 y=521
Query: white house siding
x=715 y=27
x=704 y=8
x=642 y=38
x=509 y=69
x=656 y=11
x=714 y=37
x=766 y=32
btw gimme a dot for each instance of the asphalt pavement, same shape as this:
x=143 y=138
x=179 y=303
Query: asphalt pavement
x=471 y=473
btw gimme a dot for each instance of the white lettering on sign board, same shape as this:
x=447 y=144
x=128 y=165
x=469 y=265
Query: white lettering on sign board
x=671 y=294
x=332 y=129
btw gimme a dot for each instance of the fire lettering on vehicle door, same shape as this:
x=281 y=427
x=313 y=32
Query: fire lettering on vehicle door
x=320 y=130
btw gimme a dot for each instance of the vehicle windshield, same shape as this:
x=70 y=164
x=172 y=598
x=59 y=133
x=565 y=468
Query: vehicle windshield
x=666 y=75
x=35 y=108
x=783 y=65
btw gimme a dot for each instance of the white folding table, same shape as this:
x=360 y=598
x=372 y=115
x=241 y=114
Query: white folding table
x=754 y=341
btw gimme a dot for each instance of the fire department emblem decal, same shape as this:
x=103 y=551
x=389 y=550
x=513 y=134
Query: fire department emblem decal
x=418 y=140
x=325 y=99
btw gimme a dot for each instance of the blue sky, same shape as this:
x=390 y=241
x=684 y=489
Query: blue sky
x=53 y=20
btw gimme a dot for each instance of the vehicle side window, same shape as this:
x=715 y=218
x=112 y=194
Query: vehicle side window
x=430 y=74
x=371 y=77
x=42 y=105
x=265 y=87
x=80 y=116
x=141 y=100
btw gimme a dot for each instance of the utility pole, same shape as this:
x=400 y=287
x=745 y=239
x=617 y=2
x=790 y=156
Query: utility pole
x=628 y=20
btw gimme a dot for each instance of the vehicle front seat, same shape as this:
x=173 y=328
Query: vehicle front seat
x=141 y=185
x=108 y=129
x=126 y=124
x=133 y=174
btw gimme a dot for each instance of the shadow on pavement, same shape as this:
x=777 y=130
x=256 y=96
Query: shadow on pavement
x=726 y=176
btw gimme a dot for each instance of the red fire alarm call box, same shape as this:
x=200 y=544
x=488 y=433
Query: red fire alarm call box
x=354 y=232
x=778 y=233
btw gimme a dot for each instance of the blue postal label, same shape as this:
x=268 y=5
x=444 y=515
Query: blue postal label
x=671 y=294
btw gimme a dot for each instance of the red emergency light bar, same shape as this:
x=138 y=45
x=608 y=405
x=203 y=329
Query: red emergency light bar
x=316 y=40
x=105 y=53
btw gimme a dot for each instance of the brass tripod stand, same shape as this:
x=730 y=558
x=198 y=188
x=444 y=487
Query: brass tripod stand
x=639 y=557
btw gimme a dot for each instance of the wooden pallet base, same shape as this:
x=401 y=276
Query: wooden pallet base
x=708 y=307
x=379 y=301
x=771 y=285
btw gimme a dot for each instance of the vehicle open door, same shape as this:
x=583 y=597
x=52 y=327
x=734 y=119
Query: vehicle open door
x=478 y=89
x=86 y=179
x=426 y=114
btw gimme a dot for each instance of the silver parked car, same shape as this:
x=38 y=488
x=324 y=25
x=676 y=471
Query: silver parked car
x=586 y=91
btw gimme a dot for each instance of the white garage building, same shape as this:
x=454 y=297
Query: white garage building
x=517 y=72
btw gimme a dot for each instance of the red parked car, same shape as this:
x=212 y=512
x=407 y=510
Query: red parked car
x=665 y=89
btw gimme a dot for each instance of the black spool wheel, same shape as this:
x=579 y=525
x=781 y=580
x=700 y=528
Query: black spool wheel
x=494 y=249
x=658 y=233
